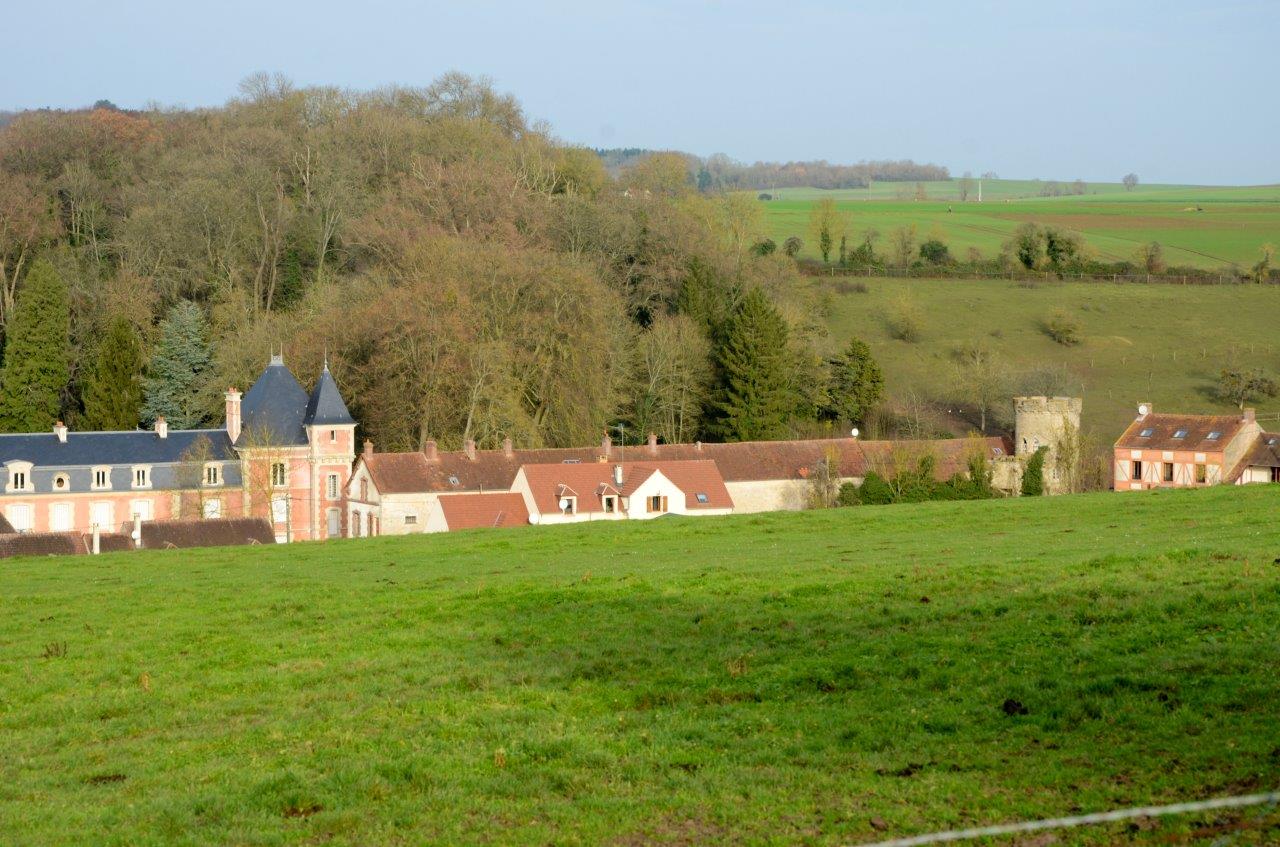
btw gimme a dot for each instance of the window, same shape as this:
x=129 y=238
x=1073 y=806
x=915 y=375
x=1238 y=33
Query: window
x=569 y=505
x=103 y=513
x=701 y=498
x=657 y=503
x=141 y=476
x=1166 y=472
x=61 y=517
x=280 y=508
x=213 y=474
x=355 y=524
x=610 y=504
x=61 y=482
x=101 y=478
x=1146 y=433
x=453 y=480
x=332 y=486
x=1181 y=433
x=364 y=490
x=333 y=435
x=1275 y=474
x=1137 y=471
x=1213 y=436
x=212 y=508
x=142 y=508
x=334 y=523
x=19 y=477
x=279 y=475
x=19 y=516
x=1202 y=474
x=410 y=519
x=19 y=481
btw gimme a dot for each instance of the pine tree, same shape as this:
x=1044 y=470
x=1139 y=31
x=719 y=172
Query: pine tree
x=854 y=384
x=755 y=397
x=175 y=379
x=37 y=353
x=113 y=388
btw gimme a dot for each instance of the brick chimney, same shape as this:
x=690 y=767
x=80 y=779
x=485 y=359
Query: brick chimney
x=508 y=449
x=60 y=430
x=469 y=447
x=431 y=451
x=162 y=427
x=368 y=448
x=1249 y=415
x=233 y=414
x=653 y=444
x=606 y=445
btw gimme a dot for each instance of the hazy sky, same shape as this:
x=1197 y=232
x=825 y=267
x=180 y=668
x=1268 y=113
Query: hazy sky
x=1176 y=91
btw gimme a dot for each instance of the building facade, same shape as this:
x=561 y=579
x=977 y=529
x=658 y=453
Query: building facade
x=1188 y=451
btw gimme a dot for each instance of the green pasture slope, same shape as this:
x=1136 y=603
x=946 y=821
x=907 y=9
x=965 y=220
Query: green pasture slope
x=815 y=678
x=1164 y=343
x=1231 y=225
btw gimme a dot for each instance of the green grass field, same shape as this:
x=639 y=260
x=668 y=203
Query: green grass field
x=814 y=678
x=1231 y=227
x=1162 y=343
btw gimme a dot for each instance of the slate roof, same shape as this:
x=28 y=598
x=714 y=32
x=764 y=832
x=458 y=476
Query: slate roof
x=592 y=480
x=84 y=449
x=273 y=410
x=325 y=407
x=1162 y=429
x=211 y=532
x=474 y=511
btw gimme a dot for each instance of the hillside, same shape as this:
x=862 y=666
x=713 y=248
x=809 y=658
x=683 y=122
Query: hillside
x=1207 y=227
x=822 y=677
x=1162 y=343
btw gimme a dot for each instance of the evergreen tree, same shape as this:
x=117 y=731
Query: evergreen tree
x=755 y=397
x=37 y=353
x=113 y=388
x=854 y=384
x=178 y=369
x=1033 y=474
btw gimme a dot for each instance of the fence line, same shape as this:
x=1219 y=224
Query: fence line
x=1236 y=802
x=1036 y=276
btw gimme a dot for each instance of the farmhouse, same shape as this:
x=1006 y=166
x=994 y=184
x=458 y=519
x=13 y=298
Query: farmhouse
x=572 y=493
x=282 y=454
x=1185 y=451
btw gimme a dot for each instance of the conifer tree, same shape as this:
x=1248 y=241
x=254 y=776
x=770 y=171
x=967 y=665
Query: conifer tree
x=755 y=397
x=113 y=388
x=854 y=384
x=37 y=353
x=175 y=381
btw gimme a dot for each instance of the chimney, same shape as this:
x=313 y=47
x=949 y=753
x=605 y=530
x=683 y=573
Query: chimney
x=606 y=444
x=653 y=444
x=1145 y=409
x=433 y=454
x=469 y=447
x=617 y=475
x=508 y=449
x=368 y=448
x=233 y=414
x=1250 y=416
x=162 y=427
x=60 y=430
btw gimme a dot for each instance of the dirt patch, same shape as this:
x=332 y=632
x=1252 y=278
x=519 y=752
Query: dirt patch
x=302 y=811
x=105 y=778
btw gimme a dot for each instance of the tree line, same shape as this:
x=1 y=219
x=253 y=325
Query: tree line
x=467 y=275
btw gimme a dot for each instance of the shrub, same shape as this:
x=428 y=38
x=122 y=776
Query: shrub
x=903 y=321
x=1033 y=474
x=1063 y=328
x=935 y=252
x=845 y=286
x=875 y=490
x=765 y=247
x=848 y=495
x=792 y=246
x=764 y=196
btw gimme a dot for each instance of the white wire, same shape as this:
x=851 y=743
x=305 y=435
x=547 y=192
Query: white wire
x=1236 y=802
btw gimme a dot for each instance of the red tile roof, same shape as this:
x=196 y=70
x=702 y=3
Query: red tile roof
x=590 y=481
x=1161 y=430
x=473 y=511
x=210 y=532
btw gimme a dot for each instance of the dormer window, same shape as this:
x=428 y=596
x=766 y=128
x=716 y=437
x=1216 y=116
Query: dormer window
x=61 y=482
x=1181 y=433
x=569 y=505
x=141 y=476
x=101 y=478
x=610 y=503
x=20 y=477
x=212 y=473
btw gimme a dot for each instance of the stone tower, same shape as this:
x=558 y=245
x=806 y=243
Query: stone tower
x=1047 y=422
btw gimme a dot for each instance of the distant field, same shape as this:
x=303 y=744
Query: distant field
x=1232 y=225
x=822 y=678
x=1163 y=343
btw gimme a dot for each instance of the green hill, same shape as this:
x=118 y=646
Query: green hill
x=823 y=677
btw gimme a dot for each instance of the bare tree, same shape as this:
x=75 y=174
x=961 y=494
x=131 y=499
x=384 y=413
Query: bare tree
x=965 y=186
x=1130 y=181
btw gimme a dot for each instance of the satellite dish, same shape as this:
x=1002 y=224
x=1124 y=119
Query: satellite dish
x=854 y=432
x=1143 y=408
x=564 y=504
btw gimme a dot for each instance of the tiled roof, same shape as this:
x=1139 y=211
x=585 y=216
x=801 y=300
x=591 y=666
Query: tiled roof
x=1265 y=452
x=951 y=454
x=589 y=481
x=273 y=409
x=6 y=527
x=325 y=407
x=473 y=511
x=60 y=544
x=1192 y=432
x=213 y=532
x=84 y=449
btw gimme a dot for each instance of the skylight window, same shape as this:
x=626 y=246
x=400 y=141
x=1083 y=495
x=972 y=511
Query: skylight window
x=997 y=451
x=1147 y=433
x=1214 y=436
x=702 y=498
x=453 y=480
x=1181 y=433
x=572 y=462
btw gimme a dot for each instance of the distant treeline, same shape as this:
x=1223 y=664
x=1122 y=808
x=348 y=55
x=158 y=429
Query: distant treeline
x=721 y=173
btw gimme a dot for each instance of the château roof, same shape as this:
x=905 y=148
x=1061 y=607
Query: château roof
x=130 y=447
x=273 y=410
x=325 y=408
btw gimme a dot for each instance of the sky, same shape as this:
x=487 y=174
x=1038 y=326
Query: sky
x=1175 y=91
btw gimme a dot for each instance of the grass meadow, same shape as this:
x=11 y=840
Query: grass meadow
x=1161 y=343
x=1205 y=227
x=811 y=678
